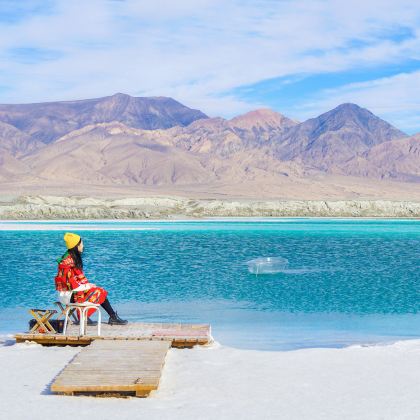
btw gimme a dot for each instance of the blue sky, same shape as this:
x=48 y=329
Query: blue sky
x=300 y=58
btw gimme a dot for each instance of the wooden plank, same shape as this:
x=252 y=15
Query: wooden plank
x=114 y=366
x=181 y=335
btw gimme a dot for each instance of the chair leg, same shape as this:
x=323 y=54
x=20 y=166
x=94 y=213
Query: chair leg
x=82 y=321
x=66 y=320
x=99 y=321
x=86 y=319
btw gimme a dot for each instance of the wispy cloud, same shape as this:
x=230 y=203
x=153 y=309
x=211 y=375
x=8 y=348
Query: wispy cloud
x=201 y=52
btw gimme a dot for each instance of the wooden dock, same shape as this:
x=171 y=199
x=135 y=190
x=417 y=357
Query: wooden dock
x=114 y=367
x=180 y=335
x=125 y=359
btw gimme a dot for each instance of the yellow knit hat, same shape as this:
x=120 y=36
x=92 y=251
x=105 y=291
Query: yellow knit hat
x=71 y=239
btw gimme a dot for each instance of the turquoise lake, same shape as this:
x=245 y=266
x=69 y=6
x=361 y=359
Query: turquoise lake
x=348 y=281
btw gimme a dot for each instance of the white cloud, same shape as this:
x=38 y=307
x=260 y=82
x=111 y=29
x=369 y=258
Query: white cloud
x=197 y=50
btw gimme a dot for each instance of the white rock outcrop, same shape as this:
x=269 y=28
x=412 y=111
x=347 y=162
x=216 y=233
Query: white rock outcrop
x=77 y=207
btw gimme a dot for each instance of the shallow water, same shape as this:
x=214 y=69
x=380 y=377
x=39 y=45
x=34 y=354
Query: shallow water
x=348 y=281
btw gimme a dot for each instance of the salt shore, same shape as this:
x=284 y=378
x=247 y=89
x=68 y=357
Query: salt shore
x=377 y=382
x=46 y=207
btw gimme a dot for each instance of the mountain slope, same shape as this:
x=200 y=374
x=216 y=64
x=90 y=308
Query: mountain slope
x=48 y=121
x=113 y=153
x=396 y=159
x=261 y=125
x=213 y=136
x=334 y=137
x=16 y=142
x=225 y=138
x=12 y=169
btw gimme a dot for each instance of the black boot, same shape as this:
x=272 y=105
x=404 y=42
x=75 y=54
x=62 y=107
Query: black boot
x=116 y=320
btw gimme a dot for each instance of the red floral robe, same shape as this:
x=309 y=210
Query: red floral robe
x=69 y=277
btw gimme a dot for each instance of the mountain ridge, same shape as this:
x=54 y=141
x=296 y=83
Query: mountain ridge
x=335 y=136
x=260 y=146
x=47 y=121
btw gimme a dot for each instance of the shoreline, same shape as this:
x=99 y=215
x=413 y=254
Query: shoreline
x=261 y=331
x=62 y=208
x=356 y=382
x=110 y=224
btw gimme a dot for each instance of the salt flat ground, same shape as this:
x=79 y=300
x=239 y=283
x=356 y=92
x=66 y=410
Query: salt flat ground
x=377 y=382
x=320 y=187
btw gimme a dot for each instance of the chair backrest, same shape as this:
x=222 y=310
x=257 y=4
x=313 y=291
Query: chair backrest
x=64 y=297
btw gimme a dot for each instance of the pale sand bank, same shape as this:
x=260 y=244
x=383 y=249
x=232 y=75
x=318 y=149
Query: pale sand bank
x=79 y=207
x=379 y=382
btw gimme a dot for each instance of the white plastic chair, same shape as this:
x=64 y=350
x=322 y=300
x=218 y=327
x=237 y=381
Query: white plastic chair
x=82 y=308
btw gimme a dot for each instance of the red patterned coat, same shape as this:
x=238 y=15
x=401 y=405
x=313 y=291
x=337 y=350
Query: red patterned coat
x=71 y=278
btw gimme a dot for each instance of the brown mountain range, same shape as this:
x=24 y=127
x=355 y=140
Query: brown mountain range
x=156 y=142
x=50 y=120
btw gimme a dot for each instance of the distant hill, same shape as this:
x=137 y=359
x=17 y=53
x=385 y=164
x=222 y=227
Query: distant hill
x=261 y=125
x=250 y=131
x=112 y=153
x=333 y=138
x=158 y=142
x=48 y=121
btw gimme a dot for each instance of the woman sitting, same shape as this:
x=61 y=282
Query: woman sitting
x=70 y=277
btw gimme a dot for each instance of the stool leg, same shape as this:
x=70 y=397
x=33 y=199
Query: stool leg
x=50 y=328
x=36 y=317
x=61 y=308
x=73 y=315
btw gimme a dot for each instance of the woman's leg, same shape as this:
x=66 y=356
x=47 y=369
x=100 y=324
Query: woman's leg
x=114 y=319
x=108 y=308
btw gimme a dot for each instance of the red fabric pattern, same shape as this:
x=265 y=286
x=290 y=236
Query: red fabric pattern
x=69 y=277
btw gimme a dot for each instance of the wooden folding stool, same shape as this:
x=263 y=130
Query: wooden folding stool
x=42 y=318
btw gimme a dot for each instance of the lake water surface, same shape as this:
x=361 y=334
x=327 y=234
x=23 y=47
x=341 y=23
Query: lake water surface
x=348 y=281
